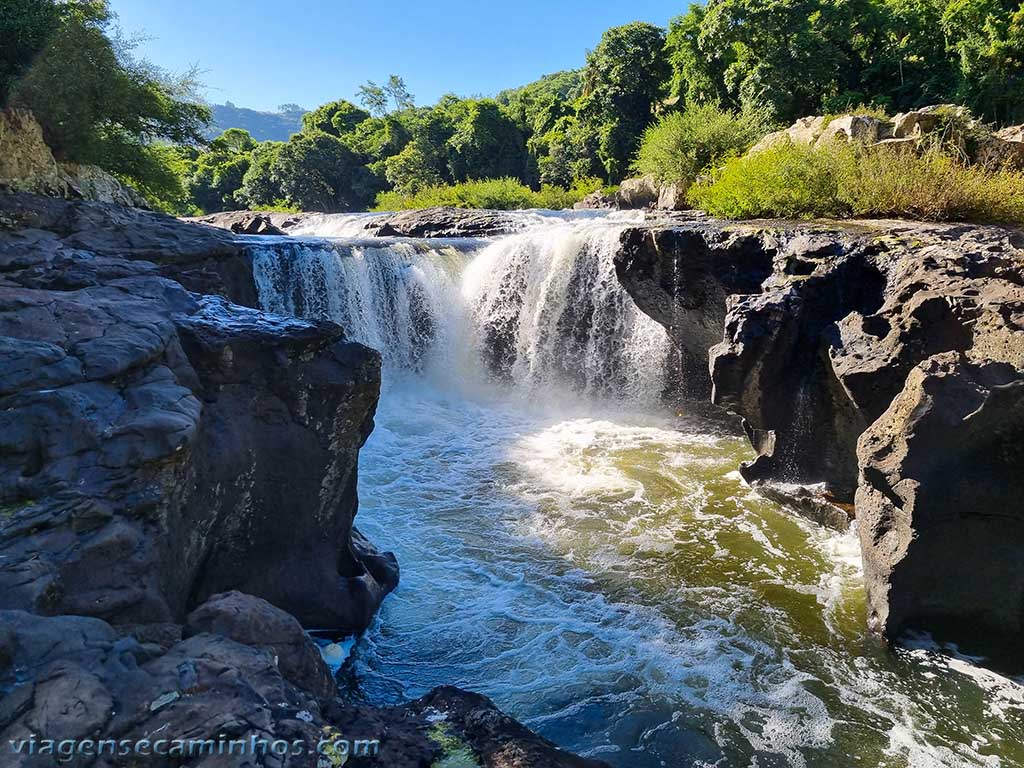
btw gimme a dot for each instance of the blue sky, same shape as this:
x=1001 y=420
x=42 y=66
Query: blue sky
x=262 y=53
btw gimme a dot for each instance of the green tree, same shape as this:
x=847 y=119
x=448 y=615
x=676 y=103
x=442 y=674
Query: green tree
x=336 y=117
x=623 y=83
x=317 y=172
x=373 y=97
x=412 y=169
x=486 y=144
x=99 y=105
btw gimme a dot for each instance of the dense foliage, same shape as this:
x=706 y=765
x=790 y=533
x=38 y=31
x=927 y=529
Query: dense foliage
x=682 y=144
x=669 y=102
x=503 y=194
x=96 y=103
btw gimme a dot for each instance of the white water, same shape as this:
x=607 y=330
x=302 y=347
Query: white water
x=592 y=563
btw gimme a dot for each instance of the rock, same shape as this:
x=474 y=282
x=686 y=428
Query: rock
x=865 y=129
x=920 y=122
x=157 y=447
x=409 y=734
x=839 y=333
x=939 y=503
x=442 y=222
x=45 y=235
x=806 y=130
x=244 y=222
x=641 y=192
x=28 y=165
x=596 y=200
x=683 y=278
x=672 y=196
x=255 y=622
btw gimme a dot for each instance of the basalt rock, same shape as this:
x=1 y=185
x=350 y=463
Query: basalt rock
x=442 y=222
x=837 y=333
x=158 y=447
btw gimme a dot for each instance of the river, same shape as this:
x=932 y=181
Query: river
x=587 y=556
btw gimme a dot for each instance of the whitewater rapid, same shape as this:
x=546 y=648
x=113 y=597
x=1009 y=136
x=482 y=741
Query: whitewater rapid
x=594 y=563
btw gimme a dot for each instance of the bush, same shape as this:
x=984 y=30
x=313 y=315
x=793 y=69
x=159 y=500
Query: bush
x=837 y=180
x=682 y=144
x=500 y=194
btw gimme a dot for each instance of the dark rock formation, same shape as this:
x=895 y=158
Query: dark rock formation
x=247 y=222
x=908 y=337
x=158 y=447
x=442 y=222
x=159 y=450
x=71 y=677
x=940 y=501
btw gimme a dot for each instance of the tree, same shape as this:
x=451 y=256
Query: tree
x=412 y=169
x=623 y=83
x=398 y=93
x=216 y=175
x=99 y=105
x=25 y=28
x=335 y=117
x=373 y=97
x=317 y=172
x=486 y=144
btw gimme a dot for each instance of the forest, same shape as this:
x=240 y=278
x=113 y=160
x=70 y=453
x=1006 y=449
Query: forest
x=749 y=64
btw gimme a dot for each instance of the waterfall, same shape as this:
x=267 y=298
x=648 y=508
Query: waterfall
x=540 y=309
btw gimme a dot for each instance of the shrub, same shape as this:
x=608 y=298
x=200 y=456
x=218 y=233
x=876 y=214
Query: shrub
x=500 y=194
x=839 y=179
x=682 y=144
x=786 y=180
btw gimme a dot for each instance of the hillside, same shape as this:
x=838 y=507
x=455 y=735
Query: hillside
x=264 y=126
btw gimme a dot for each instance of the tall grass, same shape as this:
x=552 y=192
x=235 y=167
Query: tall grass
x=683 y=144
x=838 y=180
x=500 y=194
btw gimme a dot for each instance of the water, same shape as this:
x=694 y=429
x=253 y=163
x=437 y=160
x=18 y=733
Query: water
x=591 y=562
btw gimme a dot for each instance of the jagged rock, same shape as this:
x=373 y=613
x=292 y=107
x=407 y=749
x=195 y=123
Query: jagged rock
x=252 y=621
x=683 y=277
x=939 y=503
x=28 y=165
x=824 y=328
x=157 y=447
x=596 y=200
x=641 y=192
x=43 y=239
x=247 y=222
x=442 y=222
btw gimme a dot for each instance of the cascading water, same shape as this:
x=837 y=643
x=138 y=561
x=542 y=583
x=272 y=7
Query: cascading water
x=593 y=564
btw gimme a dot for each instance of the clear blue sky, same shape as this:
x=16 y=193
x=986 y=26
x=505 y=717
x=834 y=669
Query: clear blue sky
x=262 y=53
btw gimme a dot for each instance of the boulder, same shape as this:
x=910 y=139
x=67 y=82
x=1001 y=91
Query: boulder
x=28 y=165
x=865 y=129
x=596 y=200
x=251 y=621
x=640 y=192
x=442 y=222
x=806 y=130
x=158 y=447
x=940 y=504
x=672 y=196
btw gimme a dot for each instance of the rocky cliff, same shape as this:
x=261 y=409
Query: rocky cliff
x=880 y=363
x=177 y=493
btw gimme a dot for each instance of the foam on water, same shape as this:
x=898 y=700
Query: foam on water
x=594 y=565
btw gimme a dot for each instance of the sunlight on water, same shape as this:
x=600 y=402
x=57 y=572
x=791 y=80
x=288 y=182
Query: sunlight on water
x=598 y=569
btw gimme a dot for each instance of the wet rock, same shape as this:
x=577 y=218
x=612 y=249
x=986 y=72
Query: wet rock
x=939 y=503
x=596 y=200
x=908 y=338
x=246 y=222
x=255 y=622
x=442 y=222
x=157 y=447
